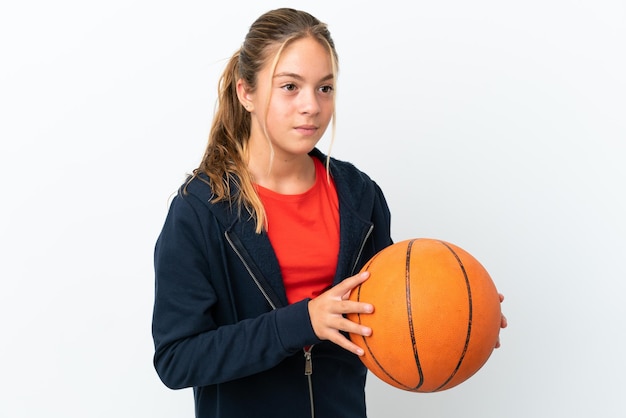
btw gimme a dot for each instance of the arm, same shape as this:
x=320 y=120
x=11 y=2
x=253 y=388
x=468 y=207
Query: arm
x=193 y=345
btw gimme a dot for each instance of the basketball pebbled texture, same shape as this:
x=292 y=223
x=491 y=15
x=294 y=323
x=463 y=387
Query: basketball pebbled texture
x=436 y=315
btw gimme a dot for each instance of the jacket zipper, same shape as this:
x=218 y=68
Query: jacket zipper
x=308 y=371
x=367 y=235
x=245 y=263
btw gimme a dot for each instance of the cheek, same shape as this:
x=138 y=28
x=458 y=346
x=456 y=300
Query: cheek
x=327 y=104
x=328 y=109
x=278 y=111
x=274 y=121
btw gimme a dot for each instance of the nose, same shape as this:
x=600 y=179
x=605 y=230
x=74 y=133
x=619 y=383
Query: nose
x=308 y=102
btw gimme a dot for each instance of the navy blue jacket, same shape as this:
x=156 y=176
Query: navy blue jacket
x=221 y=321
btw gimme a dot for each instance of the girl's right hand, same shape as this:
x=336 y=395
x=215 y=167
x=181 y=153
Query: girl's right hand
x=328 y=309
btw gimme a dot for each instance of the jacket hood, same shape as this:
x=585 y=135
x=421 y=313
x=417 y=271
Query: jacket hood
x=354 y=188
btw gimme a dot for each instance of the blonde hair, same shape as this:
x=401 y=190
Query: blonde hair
x=224 y=161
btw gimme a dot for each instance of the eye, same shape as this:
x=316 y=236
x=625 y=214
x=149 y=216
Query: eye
x=326 y=89
x=289 y=87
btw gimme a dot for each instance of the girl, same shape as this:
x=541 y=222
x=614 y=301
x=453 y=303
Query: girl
x=261 y=245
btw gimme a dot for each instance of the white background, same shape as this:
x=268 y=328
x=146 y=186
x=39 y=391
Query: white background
x=499 y=126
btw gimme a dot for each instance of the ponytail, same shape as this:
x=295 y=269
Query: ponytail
x=225 y=161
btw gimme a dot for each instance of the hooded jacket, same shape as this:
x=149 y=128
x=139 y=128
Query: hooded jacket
x=221 y=321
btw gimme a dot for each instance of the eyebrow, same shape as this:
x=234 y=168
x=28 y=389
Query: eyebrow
x=299 y=77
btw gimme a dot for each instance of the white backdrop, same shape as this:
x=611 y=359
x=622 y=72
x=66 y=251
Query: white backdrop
x=498 y=126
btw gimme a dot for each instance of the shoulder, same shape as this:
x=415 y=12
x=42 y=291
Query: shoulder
x=196 y=193
x=196 y=186
x=350 y=181
x=344 y=171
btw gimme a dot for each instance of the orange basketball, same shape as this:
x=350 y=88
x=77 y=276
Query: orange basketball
x=436 y=315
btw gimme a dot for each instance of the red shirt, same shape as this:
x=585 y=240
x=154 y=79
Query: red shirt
x=304 y=231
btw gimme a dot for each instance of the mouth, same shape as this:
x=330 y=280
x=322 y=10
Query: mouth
x=306 y=130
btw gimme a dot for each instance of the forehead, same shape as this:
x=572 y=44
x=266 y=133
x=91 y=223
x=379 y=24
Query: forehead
x=305 y=57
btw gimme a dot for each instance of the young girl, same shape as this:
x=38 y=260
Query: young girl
x=262 y=244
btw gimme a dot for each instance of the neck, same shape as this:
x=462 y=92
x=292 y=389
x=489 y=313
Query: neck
x=285 y=175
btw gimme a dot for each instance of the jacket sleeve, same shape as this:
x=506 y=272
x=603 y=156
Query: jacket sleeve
x=191 y=347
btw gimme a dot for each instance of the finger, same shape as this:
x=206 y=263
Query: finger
x=344 y=288
x=350 y=306
x=351 y=327
x=501 y=297
x=337 y=322
x=331 y=332
x=353 y=348
x=346 y=344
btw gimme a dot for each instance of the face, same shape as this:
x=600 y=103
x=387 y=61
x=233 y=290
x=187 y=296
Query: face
x=300 y=94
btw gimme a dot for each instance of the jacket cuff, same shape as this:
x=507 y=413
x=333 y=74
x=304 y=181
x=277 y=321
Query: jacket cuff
x=294 y=326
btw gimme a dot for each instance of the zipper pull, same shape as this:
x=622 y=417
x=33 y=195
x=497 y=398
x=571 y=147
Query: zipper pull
x=308 y=363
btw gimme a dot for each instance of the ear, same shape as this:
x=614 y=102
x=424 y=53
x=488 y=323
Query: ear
x=245 y=95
